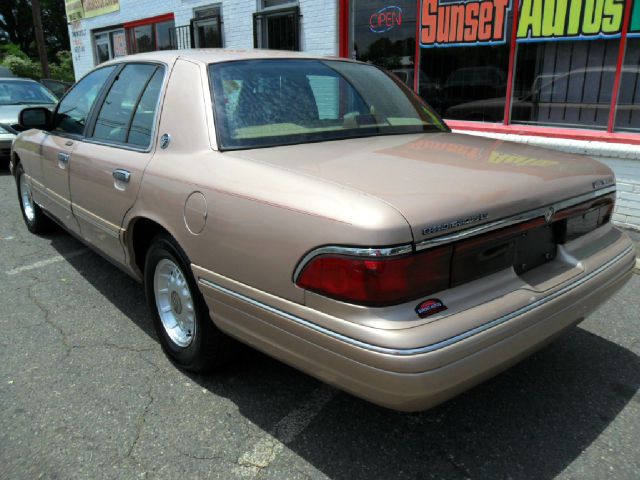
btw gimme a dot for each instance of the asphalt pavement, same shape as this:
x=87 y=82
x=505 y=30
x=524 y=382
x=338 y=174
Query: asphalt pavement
x=85 y=392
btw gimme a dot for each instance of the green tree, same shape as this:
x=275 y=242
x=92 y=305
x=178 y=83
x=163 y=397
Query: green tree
x=16 y=26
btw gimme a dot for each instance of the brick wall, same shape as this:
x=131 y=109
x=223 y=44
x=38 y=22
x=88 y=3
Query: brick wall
x=319 y=24
x=627 y=212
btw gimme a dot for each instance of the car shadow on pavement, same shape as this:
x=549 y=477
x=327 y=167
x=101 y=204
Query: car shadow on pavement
x=531 y=421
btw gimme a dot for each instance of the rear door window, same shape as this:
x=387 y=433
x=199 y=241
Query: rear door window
x=127 y=103
x=143 y=119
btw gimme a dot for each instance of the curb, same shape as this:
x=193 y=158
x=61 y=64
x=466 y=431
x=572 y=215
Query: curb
x=585 y=147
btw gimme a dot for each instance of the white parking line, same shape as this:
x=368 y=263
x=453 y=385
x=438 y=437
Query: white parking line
x=270 y=445
x=48 y=261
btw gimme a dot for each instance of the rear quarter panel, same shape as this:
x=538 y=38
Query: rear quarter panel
x=260 y=219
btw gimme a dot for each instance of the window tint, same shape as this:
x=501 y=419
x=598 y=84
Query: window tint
x=74 y=108
x=142 y=124
x=333 y=99
x=112 y=123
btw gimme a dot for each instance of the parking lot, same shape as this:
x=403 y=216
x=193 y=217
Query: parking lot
x=85 y=392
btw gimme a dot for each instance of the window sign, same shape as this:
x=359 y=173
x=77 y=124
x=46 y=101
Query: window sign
x=74 y=10
x=385 y=19
x=456 y=23
x=79 y=9
x=569 y=20
x=119 y=43
x=463 y=23
x=634 y=27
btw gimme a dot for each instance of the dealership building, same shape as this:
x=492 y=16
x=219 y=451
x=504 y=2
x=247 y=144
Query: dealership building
x=563 y=73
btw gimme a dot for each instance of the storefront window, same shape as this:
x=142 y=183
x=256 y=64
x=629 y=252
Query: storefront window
x=207 y=28
x=157 y=33
x=277 y=28
x=163 y=35
x=628 y=111
x=565 y=83
x=464 y=58
x=109 y=45
x=144 y=41
x=384 y=33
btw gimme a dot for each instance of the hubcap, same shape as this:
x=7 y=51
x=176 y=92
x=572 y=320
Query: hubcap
x=26 y=198
x=174 y=302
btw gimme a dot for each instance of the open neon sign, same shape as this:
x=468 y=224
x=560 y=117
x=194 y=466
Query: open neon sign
x=385 y=19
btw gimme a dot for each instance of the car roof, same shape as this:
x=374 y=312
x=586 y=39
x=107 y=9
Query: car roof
x=217 y=55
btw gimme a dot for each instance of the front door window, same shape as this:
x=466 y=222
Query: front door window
x=71 y=115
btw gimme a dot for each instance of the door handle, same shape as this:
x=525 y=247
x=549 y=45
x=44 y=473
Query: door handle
x=122 y=175
x=63 y=160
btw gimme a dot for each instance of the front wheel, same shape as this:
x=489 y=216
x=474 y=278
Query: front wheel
x=180 y=315
x=35 y=219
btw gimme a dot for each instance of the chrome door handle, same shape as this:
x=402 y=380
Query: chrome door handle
x=63 y=160
x=122 y=175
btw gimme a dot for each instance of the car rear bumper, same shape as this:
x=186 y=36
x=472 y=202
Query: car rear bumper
x=402 y=376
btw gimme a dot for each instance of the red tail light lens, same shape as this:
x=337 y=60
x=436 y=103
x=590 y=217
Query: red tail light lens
x=377 y=282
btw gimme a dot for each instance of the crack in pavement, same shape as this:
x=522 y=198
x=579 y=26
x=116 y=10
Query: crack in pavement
x=140 y=424
x=108 y=345
x=31 y=295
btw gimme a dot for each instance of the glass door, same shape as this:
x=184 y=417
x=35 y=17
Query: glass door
x=207 y=33
x=103 y=48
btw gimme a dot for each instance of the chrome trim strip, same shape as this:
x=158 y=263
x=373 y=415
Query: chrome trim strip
x=428 y=348
x=98 y=222
x=351 y=251
x=57 y=198
x=505 y=222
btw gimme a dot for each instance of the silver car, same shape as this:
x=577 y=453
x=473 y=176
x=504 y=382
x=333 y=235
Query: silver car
x=15 y=95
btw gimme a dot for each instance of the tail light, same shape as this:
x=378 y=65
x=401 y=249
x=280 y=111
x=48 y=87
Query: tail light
x=379 y=281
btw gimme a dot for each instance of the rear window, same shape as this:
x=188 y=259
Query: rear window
x=261 y=103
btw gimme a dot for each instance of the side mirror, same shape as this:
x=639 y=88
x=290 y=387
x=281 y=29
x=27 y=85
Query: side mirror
x=34 y=117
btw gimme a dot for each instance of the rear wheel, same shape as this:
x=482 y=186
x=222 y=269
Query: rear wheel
x=180 y=315
x=35 y=219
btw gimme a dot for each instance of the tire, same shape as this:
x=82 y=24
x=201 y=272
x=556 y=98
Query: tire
x=194 y=342
x=35 y=219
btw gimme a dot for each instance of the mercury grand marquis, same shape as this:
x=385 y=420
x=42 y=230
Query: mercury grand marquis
x=318 y=210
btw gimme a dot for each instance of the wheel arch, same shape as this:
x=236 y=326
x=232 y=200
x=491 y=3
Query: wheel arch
x=141 y=231
x=14 y=161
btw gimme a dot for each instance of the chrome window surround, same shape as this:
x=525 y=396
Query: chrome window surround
x=156 y=115
x=449 y=238
x=427 y=348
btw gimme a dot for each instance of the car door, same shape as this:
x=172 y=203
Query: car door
x=109 y=163
x=59 y=143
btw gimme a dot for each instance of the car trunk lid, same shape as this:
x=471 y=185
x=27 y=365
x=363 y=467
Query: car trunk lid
x=444 y=182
